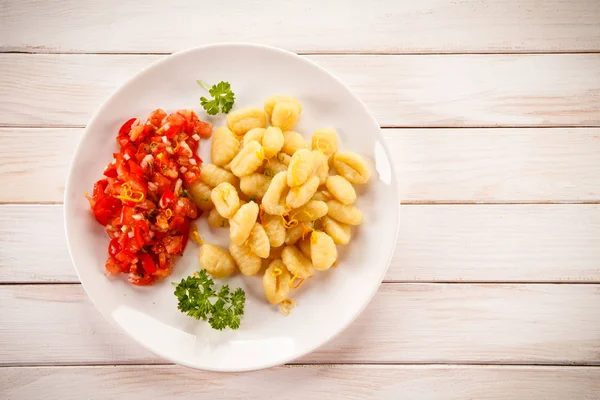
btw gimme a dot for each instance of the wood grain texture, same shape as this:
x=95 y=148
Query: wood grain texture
x=418 y=91
x=405 y=323
x=305 y=382
x=433 y=165
x=494 y=243
x=308 y=26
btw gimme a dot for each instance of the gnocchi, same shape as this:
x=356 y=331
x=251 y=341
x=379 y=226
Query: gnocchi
x=226 y=199
x=215 y=220
x=325 y=141
x=344 y=213
x=247 y=262
x=288 y=201
x=242 y=223
x=200 y=193
x=352 y=167
x=248 y=159
x=216 y=261
x=213 y=175
x=323 y=252
x=297 y=263
x=276 y=282
x=225 y=145
x=341 y=189
x=241 y=121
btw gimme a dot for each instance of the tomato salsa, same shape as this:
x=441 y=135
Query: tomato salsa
x=141 y=200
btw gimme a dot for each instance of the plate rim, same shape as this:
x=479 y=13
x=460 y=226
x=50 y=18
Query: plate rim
x=317 y=344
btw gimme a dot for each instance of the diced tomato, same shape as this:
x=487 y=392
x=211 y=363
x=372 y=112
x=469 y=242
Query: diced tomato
x=140 y=280
x=114 y=247
x=127 y=216
x=166 y=199
x=124 y=194
x=106 y=208
x=112 y=266
x=203 y=129
x=173 y=244
x=110 y=170
x=125 y=257
x=191 y=176
x=124 y=131
x=135 y=169
x=141 y=232
x=148 y=263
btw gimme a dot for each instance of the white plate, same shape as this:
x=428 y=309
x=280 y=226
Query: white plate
x=327 y=303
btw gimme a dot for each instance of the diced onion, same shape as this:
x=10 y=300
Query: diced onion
x=151 y=234
x=169 y=149
x=146 y=160
x=130 y=235
x=126 y=157
x=124 y=228
x=183 y=170
x=192 y=161
x=137 y=217
x=164 y=139
x=178 y=185
x=196 y=137
x=152 y=186
x=114 y=161
x=187 y=148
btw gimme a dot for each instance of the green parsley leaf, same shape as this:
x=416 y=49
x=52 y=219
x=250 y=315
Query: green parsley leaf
x=195 y=295
x=222 y=101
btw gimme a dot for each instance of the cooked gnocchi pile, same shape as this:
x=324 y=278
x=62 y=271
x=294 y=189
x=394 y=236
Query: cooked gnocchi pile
x=287 y=202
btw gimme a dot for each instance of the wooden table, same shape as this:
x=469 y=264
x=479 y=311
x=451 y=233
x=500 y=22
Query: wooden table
x=492 y=112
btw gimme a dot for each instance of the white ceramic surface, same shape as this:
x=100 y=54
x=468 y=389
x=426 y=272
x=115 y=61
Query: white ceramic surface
x=326 y=304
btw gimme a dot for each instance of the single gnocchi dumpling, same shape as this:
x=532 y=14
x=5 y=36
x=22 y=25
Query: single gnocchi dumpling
x=200 y=193
x=255 y=185
x=352 y=167
x=292 y=142
x=323 y=252
x=216 y=261
x=325 y=141
x=259 y=241
x=297 y=232
x=254 y=134
x=248 y=160
x=213 y=175
x=321 y=166
x=215 y=220
x=341 y=189
x=226 y=199
x=241 y=121
x=225 y=145
x=286 y=114
x=272 y=100
x=273 y=201
x=298 y=265
x=344 y=213
x=300 y=195
x=300 y=168
x=273 y=225
x=247 y=262
x=340 y=233
x=311 y=211
x=242 y=222
x=276 y=282
x=272 y=141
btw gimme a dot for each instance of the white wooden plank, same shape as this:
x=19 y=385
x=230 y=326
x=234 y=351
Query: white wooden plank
x=436 y=90
x=433 y=165
x=495 y=243
x=311 y=382
x=405 y=323
x=310 y=25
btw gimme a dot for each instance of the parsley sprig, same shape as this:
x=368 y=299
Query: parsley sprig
x=198 y=299
x=223 y=98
